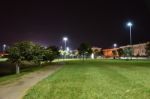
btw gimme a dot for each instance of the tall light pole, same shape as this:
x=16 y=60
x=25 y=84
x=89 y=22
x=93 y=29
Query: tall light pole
x=115 y=45
x=4 y=47
x=115 y=52
x=65 y=39
x=129 y=24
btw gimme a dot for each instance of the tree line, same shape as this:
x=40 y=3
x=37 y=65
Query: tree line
x=29 y=51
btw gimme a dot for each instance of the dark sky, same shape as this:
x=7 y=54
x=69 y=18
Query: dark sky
x=100 y=23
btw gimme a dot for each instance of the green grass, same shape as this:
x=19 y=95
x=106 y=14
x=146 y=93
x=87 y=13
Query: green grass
x=96 y=79
x=3 y=59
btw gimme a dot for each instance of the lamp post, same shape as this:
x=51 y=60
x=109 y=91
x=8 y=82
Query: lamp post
x=115 y=45
x=115 y=52
x=4 y=47
x=65 y=39
x=129 y=24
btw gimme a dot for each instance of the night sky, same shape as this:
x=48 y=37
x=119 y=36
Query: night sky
x=100 y=23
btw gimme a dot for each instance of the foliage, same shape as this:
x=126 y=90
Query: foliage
x=38 y=53
x=15 y=55
x=127 y=51
x=29 y=51
x=84 y=50
x=48 y=55
x=19 y=52
x=120 y=52
x=55 y=51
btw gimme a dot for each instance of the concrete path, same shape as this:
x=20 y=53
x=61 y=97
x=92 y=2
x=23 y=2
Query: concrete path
x=18 y=89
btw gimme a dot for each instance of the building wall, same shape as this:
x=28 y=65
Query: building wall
x=138 y=49
x=96 y=48
x=109 y=52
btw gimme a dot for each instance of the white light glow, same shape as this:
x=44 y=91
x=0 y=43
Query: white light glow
x=4 y=45
x=129 y=24
x=65 y=38
x=92 y=56
x=68 y=49
x=115 y=45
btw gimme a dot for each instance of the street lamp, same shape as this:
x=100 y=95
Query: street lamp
x=4 y=47
x=114 y=51
x=65 y=39
x=115 y=45
x=129 y=24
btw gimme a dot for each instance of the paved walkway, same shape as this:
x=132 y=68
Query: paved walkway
x=18 y=89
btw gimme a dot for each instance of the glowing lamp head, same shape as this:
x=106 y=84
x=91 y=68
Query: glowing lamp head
x=65 y=38
x=129 y=24
x=115 y=45
x=4 y=45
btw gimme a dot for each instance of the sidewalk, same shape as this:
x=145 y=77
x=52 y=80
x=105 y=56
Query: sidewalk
x=17 y=89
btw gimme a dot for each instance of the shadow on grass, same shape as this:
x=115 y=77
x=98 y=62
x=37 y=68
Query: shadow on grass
x=7 y=68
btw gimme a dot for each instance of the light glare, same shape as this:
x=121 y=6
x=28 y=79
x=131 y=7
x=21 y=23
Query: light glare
x=129 y=24
x=115 y=45
x=65 y=38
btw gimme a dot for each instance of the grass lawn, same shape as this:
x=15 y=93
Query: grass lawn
x=96 y=79
x=3 y=59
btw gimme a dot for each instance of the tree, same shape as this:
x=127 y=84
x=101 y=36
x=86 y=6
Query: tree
x=51 y=53
x=114 y=53
x=38 y=54
x=128 y=52
x=48 y=55
x=120 y=52
x=29 y=51
x=55 y=51
x=84 y=50
x=148 y=49
x=15 y=57
x=21 y=51
x=26 y=49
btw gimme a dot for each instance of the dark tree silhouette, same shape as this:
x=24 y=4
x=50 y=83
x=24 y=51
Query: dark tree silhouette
x=84 y=50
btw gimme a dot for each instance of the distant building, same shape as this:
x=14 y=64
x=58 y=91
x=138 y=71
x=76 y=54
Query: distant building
x=96 y=49
x=138 y=49
x=109 y=52
x=96 y=52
